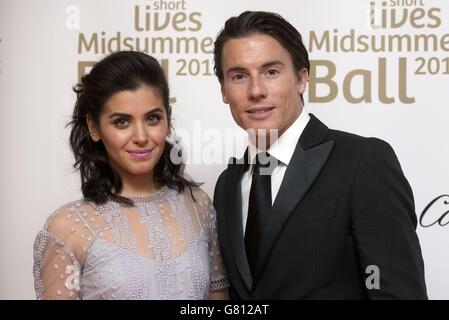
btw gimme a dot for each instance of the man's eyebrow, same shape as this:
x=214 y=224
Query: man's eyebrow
x=272 y=63
x=264 y=66
x=235 y=69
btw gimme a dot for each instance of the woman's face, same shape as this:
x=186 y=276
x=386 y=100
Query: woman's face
x=132 y=126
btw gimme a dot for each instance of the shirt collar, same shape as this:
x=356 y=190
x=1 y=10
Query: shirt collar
x=282 y=149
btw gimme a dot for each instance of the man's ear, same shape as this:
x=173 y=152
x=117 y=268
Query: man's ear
x=93 y=131
x=223 y=94
x=303 y=77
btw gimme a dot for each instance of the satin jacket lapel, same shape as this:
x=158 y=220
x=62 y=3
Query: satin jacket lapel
x=234 y=221
x=304 y=167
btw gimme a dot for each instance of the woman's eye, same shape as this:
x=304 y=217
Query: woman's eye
x=154 y=119
x=121 y=123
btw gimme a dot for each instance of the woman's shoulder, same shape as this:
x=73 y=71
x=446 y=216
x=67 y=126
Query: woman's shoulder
x=70 y=227
x=62 y=220
x=199 y=195
x=203 y=203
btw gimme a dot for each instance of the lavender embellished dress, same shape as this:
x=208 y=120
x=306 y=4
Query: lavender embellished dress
x=163 y=247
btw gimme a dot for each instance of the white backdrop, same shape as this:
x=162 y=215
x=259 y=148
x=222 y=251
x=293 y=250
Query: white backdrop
x=43 y=42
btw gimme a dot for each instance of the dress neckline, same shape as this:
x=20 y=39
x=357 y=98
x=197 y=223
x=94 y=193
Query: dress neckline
x=157 y=196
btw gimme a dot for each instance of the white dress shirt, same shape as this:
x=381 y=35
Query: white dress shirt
x=282 y=149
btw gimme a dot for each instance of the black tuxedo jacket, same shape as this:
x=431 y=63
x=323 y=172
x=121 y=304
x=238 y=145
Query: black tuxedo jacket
x=344 y=208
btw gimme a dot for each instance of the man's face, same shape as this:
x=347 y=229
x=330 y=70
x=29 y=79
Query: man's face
x=260 y=83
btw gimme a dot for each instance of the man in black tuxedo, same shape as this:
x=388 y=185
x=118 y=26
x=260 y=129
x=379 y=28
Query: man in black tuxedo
x=313 y=213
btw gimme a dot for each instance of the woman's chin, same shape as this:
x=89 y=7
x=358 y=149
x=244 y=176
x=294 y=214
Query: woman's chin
x=140 y=170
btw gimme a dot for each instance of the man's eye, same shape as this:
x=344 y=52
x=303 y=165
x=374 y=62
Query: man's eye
x=272 y=72
x=121 y=123
x=238 y=76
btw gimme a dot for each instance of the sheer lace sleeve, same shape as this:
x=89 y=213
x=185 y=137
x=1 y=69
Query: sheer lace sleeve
x=58 y=250
x=207 y=216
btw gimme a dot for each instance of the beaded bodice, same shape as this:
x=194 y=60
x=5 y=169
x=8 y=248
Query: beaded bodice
x=163 y=247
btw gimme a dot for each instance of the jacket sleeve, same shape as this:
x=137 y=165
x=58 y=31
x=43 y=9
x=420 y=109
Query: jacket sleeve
x=219 y=200
x=384 y=226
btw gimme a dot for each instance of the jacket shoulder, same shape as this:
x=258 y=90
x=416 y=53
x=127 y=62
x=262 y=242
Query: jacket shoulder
x=221 y=181
x=359 y=142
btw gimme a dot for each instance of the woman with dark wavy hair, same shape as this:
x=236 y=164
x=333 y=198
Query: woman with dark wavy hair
x=143 y=230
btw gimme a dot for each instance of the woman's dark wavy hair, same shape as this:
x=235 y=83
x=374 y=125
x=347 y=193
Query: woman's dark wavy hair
x=125 y=70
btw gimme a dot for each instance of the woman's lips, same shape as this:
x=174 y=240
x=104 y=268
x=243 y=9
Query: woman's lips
x=260 y=113
x=140 y=154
